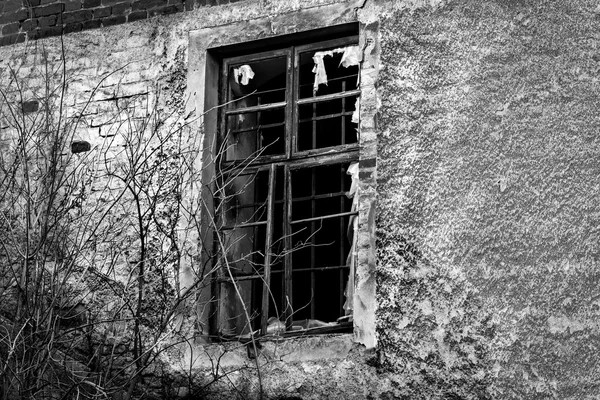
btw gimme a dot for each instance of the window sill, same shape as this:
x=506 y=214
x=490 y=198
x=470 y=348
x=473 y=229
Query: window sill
x=233 y=354
x=341 y=327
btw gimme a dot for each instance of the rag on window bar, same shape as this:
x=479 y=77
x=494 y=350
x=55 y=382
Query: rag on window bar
x=350 y=57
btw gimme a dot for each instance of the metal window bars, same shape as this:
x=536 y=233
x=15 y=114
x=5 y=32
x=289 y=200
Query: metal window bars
x=280 y=109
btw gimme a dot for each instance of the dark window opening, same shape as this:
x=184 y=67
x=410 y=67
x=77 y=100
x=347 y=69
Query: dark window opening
x=287 y=173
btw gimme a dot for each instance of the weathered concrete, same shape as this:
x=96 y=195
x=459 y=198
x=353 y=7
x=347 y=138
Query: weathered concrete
x=484 y=123
x=489 y=186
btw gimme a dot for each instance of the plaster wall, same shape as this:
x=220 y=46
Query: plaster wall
x=488 y=187
x=487 y=184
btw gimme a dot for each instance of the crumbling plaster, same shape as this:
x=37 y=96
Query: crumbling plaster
x=488 y=187
x=487 y=184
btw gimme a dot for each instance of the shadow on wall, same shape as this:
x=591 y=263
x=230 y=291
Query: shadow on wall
x=433 y=334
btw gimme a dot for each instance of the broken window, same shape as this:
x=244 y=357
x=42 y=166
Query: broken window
x=286 y=194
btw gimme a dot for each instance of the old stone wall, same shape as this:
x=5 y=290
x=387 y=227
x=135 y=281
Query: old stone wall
x=113 y=81
x=35 y=19
x=487 y=189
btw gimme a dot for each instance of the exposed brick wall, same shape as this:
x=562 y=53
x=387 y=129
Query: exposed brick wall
x=34 y=19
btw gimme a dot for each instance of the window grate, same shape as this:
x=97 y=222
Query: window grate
x=288 y=134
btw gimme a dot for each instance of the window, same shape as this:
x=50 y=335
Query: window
x=284 y=201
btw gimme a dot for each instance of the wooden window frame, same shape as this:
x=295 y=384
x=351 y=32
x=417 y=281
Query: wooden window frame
x=290 y=161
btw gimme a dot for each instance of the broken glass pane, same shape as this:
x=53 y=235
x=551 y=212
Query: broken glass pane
x=258 y=82
x=327 y=124
x=255 y=134
x=328 y=71
x=320 y=245
x=243 y=232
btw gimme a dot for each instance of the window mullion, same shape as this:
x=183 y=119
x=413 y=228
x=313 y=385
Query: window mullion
x=291 y=133
x=287 y=232
x=293 y=95
x=268 y=241
x=313 y=226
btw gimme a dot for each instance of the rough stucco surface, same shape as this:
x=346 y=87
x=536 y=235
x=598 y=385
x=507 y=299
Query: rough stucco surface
x=488 y=191
x=489 y=185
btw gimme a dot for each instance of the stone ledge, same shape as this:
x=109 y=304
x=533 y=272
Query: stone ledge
x=288 y=350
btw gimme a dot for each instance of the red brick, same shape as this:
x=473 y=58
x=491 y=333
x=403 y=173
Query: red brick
x=76 y=16
x=102 y=12
x=137 y=15
x=91 y=3
x=80 y=146
x=30 y=106
x=48 y=10
x=11 y=6
x=114 y=20
x=20 y=15
x=7 y=40
x=166 y=10
x=29 y=25
x=121 y=8
x=93 y=24
x=10 y=28
x=45 y=32
x=76 y=27
x=147 y=4
x=72 y=5
x=45 y=22
x=12 y=39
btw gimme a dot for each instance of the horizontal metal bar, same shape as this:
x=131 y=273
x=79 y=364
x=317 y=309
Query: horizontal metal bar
x=258 y=127
x=261 y=205
x=327 y=97
x=241 y=278
x=325 y=156
x=333 y=268
x=269 y=91
x=249 y=225
x=256 y=57
x=320 y=196
x=261 y=107
x=254 y=276
x=302 y=159
x=326 y=116
x=324 y=217
x=333 y=79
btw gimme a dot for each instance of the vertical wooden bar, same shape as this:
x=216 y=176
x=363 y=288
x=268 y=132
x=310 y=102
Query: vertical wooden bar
x=222 y=121
x=291 y=134
x=291 y=109
x=268 y=241
x=215 y=306
x=313 y=282
x=342 y=241
x=255 y=232
x=314 y=125
x=287 y=292
x=214 y=319
x=343 y=138
x=257 y=135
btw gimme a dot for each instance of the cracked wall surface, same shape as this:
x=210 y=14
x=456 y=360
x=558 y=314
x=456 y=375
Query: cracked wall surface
x=487 y=188
x=488 y=185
